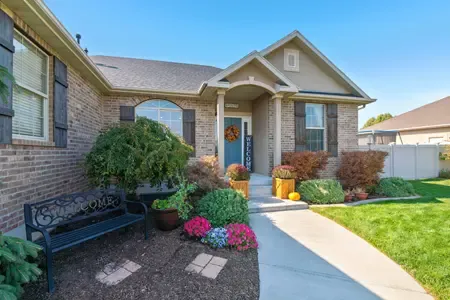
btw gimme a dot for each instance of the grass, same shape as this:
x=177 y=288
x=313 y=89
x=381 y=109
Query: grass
x=414 y=233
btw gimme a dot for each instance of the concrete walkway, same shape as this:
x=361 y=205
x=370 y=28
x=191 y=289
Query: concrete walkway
x=303 y=255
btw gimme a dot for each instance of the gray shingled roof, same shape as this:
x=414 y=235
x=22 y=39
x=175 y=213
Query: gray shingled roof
x=432 y=114
x=153 y=74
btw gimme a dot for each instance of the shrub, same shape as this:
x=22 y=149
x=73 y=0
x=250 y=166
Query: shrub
x=306 y=163
x=16 y=266
x=178 y=200
x=321 y=191
x=361 y=168
x=444 y=173
x=222 y=207
x=238 y=172
x=284 y=172
x=197 y=227
x=395 y=187
x=204 y=176
x=216 y=238
x=143 y=151
x=212 y=162
x=241 y=236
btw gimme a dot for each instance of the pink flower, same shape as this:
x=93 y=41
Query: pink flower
x=197 y=227
x=241 y=236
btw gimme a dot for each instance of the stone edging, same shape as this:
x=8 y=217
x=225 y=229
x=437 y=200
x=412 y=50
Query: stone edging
x=364 y=202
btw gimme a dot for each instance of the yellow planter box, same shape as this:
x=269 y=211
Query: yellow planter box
x=240 y=186
x=283 y=187
x=274 y=186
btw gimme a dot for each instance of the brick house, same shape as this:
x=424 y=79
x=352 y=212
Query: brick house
x=288 y=97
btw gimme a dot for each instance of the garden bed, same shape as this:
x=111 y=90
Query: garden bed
x=162 y=276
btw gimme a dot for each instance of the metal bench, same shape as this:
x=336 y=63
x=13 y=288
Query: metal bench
x=75 y=210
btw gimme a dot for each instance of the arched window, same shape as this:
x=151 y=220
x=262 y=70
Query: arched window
x=162 y=111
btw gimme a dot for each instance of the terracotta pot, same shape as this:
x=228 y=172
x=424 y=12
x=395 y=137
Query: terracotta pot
x=362 y=196
x=284 y=187
x=166 y=219
x=240 y=186
x=348 y=198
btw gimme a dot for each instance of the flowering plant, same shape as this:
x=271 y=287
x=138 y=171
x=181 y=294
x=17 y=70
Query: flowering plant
x=238 y=172
x=241 y=236
x=216 y=238
x=198 y=227
x=284 y=172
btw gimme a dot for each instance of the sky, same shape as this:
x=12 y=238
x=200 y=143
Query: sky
x=397 y=51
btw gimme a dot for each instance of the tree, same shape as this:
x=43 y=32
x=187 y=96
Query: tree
x=380 y=118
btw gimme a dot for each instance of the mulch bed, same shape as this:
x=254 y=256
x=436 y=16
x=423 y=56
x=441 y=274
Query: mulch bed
x=163 y=258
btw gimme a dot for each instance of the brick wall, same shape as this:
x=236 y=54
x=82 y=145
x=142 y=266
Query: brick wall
x=34 y=171
x=204 y=116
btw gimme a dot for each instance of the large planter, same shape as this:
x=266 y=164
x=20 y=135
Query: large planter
x=274 y=186
x=283 y=187
x=166 y=219
x=240 y=186
x=362 y=196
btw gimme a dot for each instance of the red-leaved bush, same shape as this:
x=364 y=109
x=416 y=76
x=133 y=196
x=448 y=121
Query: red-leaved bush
x=241 y=236
x=197 y=227
x=306 y=163
x=361 y=168
x=238 y=172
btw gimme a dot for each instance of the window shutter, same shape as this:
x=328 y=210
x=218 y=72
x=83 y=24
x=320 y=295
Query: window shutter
x=189 y=127
x=332 y=129
x=6 y=60
x=60 y=104
x=300 y=126
x=126 y=113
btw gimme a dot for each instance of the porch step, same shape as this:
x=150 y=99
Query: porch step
x=271 y=204
x=260 y=191
x=260 y=180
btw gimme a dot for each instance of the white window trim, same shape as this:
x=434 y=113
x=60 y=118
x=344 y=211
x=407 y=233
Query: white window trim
x=296 y=54
x=159 y=109
x=45 y=138
x=325 y=148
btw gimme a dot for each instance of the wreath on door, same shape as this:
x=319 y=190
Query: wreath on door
x=232 y=133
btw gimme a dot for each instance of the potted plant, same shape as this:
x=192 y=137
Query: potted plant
x=284 y=182
x=348 y=196
x=360 y=193
x=168 y=212
x=239 y=178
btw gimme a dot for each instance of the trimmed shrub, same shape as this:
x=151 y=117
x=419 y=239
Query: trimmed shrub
x=284 y=172
x=444 y=173
x=306 y=163
x=238 y=172
x=241 y=237
x=361 y=168
x=197 y=227
x=222 y=207
x=395 y=187
x=321 y=191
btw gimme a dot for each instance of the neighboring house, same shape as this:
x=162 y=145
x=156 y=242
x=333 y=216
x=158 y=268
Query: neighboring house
x=289 y=97
x=428 y=124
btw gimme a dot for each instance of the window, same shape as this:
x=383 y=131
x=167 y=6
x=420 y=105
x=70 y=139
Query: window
x=315 y=127
x=163 y=111
x=291 y=60
x=30 y=96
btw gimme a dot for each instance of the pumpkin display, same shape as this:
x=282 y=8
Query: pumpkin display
x=294 y=196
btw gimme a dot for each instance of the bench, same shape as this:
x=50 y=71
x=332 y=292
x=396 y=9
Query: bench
x=92 y=213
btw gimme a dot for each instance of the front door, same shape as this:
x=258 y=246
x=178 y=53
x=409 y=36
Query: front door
x=233 y=149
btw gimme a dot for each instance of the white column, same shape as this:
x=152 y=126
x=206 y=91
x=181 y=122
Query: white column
x=277 y=130
x=221 y=129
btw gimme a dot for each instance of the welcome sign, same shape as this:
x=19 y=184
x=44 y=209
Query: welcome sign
x=248 y=152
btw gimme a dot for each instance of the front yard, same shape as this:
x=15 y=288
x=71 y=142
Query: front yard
x=414 y=233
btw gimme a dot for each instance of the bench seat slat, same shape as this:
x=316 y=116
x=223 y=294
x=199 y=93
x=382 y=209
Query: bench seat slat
x=77 y=236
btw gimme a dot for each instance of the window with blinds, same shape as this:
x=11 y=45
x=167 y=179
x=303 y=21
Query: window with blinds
x=30 y=96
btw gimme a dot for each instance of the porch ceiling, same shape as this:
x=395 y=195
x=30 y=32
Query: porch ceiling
x=243 y=93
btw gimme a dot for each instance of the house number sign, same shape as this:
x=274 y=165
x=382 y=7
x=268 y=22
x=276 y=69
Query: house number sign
x=248 y=152
x=231 y=105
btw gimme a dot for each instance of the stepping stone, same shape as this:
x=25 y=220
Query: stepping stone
x=202 y=259
x=114 y=273
x=207 y=265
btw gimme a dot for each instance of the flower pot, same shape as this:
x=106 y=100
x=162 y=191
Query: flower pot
x=166 y=219
x=348 y=198
x=240 y=186
x=274 y=186
x=284 y=187
x=362 y=196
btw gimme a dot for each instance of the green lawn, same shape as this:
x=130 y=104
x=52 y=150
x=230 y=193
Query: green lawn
x=414 y=233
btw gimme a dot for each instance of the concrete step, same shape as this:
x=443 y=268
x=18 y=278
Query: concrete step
x=258 y=204
x=263 y=190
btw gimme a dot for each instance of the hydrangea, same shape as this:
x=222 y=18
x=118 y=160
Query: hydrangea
x=198 y=227
x=216 y=238
x=241 y=236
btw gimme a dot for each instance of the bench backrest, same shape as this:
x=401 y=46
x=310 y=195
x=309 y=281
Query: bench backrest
x=74 y=207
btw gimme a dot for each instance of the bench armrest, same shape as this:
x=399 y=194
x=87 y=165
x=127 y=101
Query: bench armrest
x=44 y=232
x=139 y=203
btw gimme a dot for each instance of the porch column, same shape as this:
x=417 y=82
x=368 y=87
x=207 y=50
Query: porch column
x=277 y=130
x=221 y=129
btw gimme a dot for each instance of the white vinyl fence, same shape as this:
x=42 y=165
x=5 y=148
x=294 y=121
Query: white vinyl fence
x=409 y=161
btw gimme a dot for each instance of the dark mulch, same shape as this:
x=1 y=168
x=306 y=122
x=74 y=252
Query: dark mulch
x=163 y=258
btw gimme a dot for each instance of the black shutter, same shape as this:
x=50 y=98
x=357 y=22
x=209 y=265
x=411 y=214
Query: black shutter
x=6 y=60
x=300 y=126
x=189 y=127
x=126 y=113
x=332 y=129
x=60 y=104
